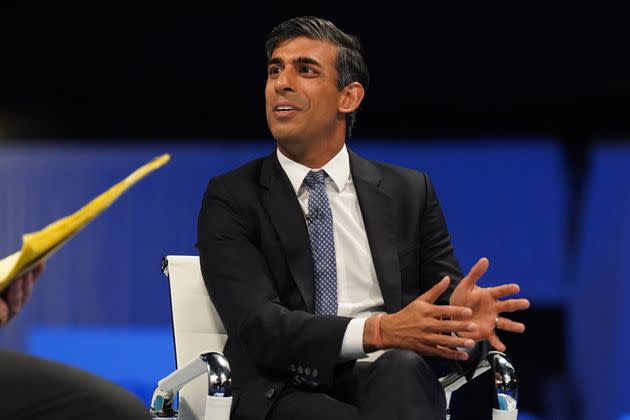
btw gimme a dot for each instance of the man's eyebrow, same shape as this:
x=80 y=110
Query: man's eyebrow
x=308 y=60
x=299 y=60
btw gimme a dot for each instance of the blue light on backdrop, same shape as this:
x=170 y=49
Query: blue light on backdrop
x=133 y=357
x=506 y=201
x=599 y=309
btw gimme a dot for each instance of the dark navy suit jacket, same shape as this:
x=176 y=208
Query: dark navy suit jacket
x=256 y=261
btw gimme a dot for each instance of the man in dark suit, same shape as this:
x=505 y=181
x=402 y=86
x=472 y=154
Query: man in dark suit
x=316 y=258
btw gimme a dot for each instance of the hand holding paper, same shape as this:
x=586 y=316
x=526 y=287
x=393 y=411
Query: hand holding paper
x=18 y=293
x=39 y=246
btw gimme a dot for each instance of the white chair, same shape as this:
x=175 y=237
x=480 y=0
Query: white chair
x=197 y=328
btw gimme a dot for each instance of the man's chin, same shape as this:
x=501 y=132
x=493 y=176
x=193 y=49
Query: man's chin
x=287 y=139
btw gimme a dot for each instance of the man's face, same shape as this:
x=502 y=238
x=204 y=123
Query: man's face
x=302 y=99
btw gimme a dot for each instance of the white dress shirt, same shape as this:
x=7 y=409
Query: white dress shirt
x=358 y=291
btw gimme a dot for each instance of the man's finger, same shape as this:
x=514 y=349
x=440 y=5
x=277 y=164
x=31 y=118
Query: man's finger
x=496 y=343
x=28 y=288
x=451 y=341
x=441 y=351
x=14 y=295
x=452 y=354
x=4 y=312
x=448 y=326
x=513 y=305
x=509 y=325
x=475 y=273
x=38 y=270
x=504 y=290
x=450 y=311
x=436 y=291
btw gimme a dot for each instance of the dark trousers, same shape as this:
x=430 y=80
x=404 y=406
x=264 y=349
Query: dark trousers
x=33 y=388
x=398 y=385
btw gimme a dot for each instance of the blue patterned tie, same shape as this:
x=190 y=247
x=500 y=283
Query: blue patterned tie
x=320 y=230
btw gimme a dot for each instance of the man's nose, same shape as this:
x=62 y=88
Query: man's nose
x=285 y=81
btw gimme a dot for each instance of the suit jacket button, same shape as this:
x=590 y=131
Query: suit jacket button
x=315 y=373
x=300 y=370
x=307 y=371
x=270 y=393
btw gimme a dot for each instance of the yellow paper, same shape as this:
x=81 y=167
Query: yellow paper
x=39 y=246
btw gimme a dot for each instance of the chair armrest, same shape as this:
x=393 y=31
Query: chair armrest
x=505 y=381
x=219 y=384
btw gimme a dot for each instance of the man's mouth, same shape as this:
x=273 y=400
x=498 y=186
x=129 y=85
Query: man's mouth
x=285 y=110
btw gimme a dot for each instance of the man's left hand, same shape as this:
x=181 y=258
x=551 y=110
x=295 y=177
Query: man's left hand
x=486 y=306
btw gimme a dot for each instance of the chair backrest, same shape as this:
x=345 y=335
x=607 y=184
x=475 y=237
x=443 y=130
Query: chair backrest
x=196 y=327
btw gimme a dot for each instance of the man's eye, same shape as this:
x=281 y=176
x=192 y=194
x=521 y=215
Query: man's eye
x=274 y=70
x=307 y=71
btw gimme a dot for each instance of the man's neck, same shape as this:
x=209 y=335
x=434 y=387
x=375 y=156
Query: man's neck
x=312 y=157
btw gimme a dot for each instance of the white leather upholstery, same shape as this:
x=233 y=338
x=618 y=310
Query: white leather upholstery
x=504 y=415
x=196 y=328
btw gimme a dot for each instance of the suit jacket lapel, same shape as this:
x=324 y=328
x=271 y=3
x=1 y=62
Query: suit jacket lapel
x=378 y=217
x=287 y=218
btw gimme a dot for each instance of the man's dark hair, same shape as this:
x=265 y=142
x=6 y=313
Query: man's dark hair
x=350 y=64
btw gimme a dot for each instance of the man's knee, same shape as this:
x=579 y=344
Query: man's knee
x=406 y=361
x=408 y=383
x=407 y=367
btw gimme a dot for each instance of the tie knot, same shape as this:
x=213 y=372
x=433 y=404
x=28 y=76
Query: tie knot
x=315 y=177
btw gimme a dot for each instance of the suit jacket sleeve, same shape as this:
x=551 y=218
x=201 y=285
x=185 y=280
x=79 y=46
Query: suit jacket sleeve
x=438 y=260
x=437 y=254
x=245 y=294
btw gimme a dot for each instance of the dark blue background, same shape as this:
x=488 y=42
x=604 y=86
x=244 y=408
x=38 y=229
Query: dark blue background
x=505 y=107
x=103 y=303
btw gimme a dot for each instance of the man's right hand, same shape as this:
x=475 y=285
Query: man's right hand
x=18 y=294
x=424 y=327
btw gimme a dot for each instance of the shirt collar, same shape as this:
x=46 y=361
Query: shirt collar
x=337 y=168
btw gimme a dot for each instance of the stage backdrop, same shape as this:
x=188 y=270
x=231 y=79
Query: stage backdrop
x=103 y=303
x=599 y=297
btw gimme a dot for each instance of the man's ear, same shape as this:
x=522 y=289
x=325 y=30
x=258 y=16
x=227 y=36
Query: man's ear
x=351 y=97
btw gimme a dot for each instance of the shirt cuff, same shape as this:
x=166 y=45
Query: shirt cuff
x=352 y=344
